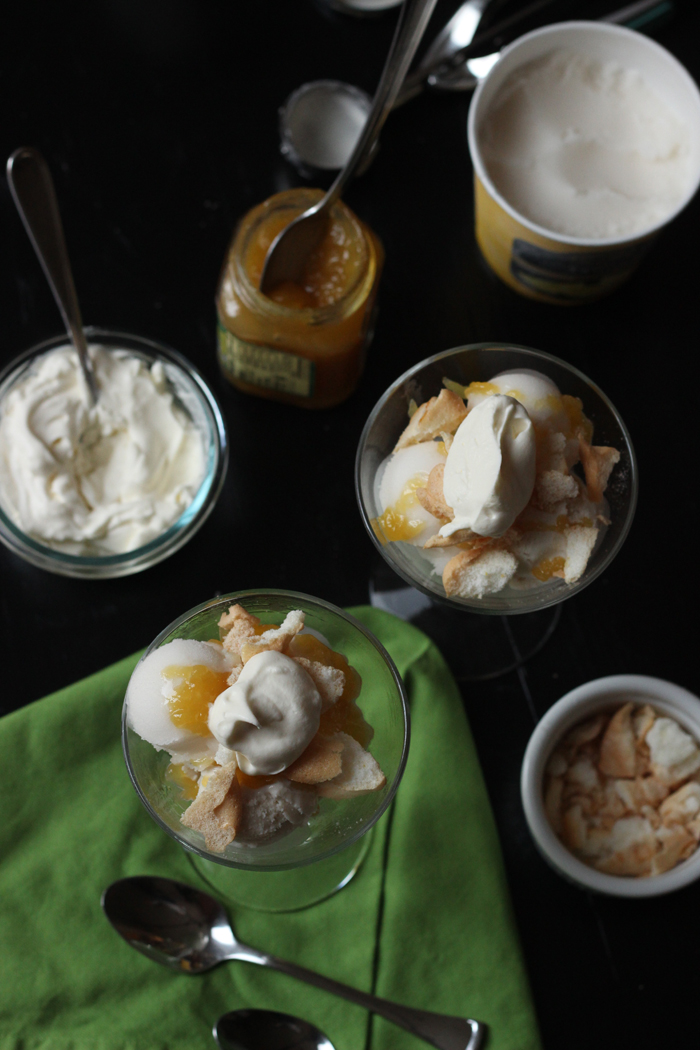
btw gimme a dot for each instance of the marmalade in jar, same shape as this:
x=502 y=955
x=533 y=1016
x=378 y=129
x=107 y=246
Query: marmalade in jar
x=305 y=342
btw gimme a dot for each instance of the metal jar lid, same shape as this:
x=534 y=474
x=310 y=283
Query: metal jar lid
x=320 y=124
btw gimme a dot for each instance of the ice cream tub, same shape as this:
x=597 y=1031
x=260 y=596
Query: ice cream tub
x=585 y=141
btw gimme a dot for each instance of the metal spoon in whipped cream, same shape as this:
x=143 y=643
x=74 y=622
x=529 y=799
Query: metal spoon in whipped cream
x=33 y=192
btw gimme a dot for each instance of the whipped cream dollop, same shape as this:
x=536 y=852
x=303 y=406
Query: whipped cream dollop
x=490 y=468
x=586 y=148
x=96 y=479
x=269 y=715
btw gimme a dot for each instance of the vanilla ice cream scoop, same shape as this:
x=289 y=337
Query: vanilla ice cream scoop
x=536 y=392
x=490 y=468
x=168 y=697
x=269 y=715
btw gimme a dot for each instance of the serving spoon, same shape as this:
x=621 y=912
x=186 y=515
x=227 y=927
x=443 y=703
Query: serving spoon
x=253 y=1029
x=290 y=250
x=33 y=192
x=188 y=931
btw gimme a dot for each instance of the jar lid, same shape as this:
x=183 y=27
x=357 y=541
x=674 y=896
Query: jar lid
x=361 y=7
x=320 y=124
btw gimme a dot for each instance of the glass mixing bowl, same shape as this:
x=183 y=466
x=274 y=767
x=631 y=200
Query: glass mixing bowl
x=194 y=398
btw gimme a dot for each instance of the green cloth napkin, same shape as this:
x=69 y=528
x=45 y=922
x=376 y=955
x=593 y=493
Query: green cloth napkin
x=426 y=921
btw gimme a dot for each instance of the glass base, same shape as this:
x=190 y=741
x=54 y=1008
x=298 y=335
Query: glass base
x=280 y=891
x=476 y=646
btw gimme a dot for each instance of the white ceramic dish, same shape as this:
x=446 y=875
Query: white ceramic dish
x=574 y=707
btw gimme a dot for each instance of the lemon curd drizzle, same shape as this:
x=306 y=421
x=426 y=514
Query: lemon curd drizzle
x=396 y=522
x=182 y=779
x=195 y=688
x=545 y=569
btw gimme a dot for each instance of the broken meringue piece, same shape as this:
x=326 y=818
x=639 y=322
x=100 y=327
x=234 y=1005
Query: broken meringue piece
x=622 y=791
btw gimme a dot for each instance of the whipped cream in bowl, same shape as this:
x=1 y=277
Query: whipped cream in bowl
x=496 y=508
x=107 y=489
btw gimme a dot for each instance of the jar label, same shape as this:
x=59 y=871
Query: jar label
x=262 y=366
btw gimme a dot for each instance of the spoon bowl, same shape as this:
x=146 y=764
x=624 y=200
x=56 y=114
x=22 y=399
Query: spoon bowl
x=173 y=924
x=252 y=1029
x=188 y=931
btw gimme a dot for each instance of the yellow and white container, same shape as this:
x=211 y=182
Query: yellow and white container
x=558 y=267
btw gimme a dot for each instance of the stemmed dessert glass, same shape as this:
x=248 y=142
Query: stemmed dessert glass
x=512 y=625
x=317 y=858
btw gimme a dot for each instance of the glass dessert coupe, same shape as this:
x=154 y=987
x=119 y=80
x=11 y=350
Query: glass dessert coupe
x=317 y=858
x=512 y=625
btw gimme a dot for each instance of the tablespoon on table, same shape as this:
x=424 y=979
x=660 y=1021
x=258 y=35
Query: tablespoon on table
x=33 y=192
x=253 y=1029
x=290 y=250
x=188 y=931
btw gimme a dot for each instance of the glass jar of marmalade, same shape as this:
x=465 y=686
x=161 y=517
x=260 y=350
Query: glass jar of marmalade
x=305 y=342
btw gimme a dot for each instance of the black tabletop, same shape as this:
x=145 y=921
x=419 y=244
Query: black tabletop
x=158 y=119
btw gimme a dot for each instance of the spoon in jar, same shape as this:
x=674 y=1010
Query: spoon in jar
x=33 y=192
x=252 y=1029
x=321 y=122
x=188 y=931
x=290 y=250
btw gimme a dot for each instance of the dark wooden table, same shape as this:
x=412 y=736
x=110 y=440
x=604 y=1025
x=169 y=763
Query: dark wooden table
x=158 y=119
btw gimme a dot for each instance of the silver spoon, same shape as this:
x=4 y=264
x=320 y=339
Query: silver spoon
x=188 y=931
x=458 y=32
x=458 y=66
x=253 y=1029
x=33 y=191
x=291 y=247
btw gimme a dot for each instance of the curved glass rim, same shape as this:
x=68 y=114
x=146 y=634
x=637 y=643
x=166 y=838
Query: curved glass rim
x=473 y=606
x=240 y=596
x=194 y=516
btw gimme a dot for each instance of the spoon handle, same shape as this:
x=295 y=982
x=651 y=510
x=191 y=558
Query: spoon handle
x=413 y=19
x=440 y=1030
x=33 y=191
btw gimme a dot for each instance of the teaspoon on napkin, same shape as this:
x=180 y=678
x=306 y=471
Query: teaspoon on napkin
x=251 y=1029
x=188 y=931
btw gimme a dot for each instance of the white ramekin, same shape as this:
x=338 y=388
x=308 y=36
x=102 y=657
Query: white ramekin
x=574 y=707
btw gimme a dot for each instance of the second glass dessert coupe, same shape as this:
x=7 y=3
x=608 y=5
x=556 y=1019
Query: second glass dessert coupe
x=486 y=635
x=310 y=861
